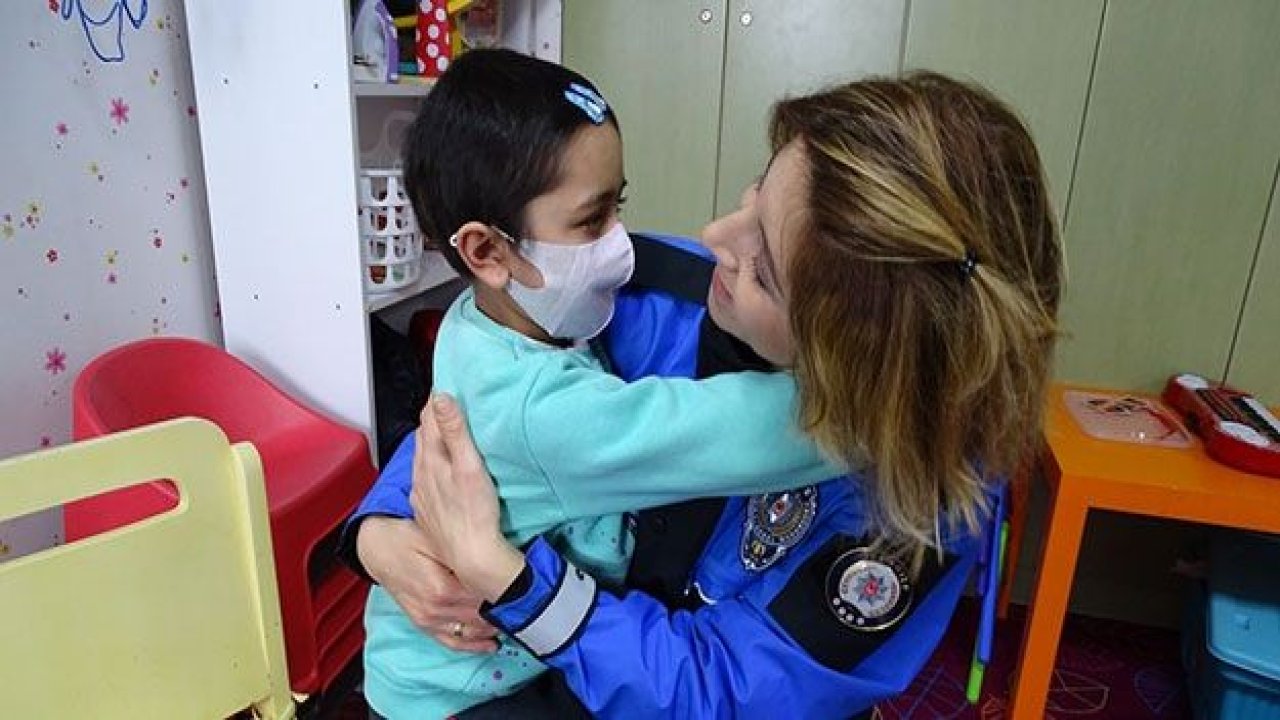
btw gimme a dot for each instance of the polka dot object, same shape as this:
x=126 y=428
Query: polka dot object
x=432 y=46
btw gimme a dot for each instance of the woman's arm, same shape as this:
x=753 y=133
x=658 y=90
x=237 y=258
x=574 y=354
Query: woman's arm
x=389 y=497
x=452 y=485
x=382 y=541
x=394 y=553
x=631 y=656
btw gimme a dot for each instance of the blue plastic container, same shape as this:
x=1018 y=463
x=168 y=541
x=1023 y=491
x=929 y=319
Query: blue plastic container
x=1233 y=653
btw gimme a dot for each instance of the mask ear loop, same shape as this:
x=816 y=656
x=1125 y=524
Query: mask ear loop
x=453 y=239
x=504 y=234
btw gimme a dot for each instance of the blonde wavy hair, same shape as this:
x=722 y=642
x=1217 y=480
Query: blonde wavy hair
x=924 y=298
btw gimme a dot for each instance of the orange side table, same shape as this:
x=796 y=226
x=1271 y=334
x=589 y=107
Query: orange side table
x=1086 y=474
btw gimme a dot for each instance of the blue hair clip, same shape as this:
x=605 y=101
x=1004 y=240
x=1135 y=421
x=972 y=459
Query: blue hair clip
x=588 y=101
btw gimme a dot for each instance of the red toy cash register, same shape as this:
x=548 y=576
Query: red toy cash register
x=1237 y=430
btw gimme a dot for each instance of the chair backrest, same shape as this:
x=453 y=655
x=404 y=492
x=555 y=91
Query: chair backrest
x=176 y=616
x=159 y=379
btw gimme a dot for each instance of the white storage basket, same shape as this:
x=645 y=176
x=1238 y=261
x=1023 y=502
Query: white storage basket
x=390 y=245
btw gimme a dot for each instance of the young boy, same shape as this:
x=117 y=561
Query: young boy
x=518 y=163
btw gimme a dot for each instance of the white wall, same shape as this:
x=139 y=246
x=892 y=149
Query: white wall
x=104 y=234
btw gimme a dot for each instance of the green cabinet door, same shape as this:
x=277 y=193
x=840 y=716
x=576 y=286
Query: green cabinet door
x=1255 y=364
x=1035 y=54
x=777 y=48
x=658 y=63
x=1171 y=188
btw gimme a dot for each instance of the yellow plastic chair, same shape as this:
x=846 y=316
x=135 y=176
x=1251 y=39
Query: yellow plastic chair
x=176 y=616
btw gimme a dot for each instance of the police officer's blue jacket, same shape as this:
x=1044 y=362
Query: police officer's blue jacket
x=752 y=607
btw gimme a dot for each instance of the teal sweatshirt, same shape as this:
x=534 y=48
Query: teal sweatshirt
x=571 y=448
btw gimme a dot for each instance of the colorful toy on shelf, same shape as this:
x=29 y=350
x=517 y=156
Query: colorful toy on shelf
x=375 y=54
x=448 y=28
x=433 y=41
x=1237 y=430
x=407 y=41
x=480 y=26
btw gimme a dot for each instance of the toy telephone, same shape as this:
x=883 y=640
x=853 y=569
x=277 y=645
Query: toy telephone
x=1237 y=430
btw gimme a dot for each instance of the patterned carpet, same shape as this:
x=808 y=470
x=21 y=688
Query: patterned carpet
x=1105 y=670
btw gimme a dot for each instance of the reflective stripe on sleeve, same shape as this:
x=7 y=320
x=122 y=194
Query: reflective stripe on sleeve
x=560 y=620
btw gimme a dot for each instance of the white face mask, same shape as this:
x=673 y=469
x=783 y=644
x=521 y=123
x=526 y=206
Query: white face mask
x=579 y=283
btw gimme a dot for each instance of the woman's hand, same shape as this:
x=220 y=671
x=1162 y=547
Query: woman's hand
x=456 y=505
x=394 y=552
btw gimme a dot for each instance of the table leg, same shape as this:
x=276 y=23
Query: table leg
x=1019 y=497
x=1048 y=604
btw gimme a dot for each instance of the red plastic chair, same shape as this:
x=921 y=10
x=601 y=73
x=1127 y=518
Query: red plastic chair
x=316 y=472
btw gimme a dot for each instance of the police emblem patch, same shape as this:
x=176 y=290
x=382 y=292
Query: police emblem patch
x=775 y=522
x=866 y=592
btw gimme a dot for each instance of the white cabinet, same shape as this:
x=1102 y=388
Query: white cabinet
x=280 y=132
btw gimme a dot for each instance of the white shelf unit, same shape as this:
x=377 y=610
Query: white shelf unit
x=435 y=272
x=281 y=150
x=401 y=89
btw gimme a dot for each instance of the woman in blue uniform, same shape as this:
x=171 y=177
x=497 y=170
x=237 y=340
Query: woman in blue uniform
x=899 y=256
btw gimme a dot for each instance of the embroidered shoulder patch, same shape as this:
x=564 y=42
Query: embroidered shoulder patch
x=775 y=523
x=866 y=592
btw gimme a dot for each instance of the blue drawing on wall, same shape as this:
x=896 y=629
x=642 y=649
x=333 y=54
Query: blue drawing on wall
x=106 y=34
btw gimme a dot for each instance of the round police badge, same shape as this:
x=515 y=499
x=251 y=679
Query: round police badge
x=775 y=522
x=866 y=592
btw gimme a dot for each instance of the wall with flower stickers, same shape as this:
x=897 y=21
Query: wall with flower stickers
x=104 y=232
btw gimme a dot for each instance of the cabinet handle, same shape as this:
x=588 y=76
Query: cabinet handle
x=705 y=16
x=746 y=18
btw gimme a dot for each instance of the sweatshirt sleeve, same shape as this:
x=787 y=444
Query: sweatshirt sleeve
x=609 y=446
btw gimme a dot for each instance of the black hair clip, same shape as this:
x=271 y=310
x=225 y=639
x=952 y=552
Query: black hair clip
x=969 y=264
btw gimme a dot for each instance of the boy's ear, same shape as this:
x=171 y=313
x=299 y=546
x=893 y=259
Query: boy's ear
x=486 y=253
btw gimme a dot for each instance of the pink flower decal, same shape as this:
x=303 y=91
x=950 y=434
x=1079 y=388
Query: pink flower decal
x=111 y=278
x=61 y=128
x=45 y=440
x=53 y=6
x=51 y=256
x=55 y=361
x=119 y=111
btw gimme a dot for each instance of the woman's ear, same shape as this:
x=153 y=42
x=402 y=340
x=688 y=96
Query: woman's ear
x=486 y=253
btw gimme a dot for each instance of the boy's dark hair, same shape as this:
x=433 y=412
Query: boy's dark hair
x=487 y=140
